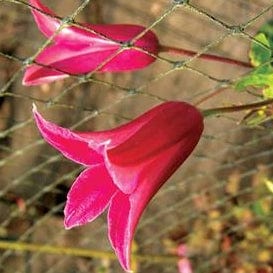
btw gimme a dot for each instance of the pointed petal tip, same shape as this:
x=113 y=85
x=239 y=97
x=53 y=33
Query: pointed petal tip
x=126 y=266
x=69 y=221
x=121 y=229
x=34 y=108
x=72 y=220
x=68 y=225
x=43 y=18
x=26 y=81
x=39 y=120
x=38 y=75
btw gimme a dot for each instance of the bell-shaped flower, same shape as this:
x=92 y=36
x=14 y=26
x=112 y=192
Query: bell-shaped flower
x=77 y=50
x=125 y=166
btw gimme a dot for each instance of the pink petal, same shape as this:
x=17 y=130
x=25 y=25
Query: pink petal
x=170 y=124
x=79 y=51
x=125 y=131
x=126 y=32
x=70 y=60
x=126 y=209
x=108 y=35
x=146 y=170
x=80 y=61
x=121 y=228
x=47 y=24
x=69 y=143
x=89 y=196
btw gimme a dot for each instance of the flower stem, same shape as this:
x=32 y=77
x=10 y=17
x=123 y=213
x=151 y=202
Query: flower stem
x=209 y=57
x=235 y=108
x=209 y=96
x=81 y=252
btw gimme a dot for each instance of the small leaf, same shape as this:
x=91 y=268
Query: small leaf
x=256 y=79
x=267 y=29
x=260 y=54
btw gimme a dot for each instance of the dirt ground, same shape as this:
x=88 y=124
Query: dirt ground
x=34 y=180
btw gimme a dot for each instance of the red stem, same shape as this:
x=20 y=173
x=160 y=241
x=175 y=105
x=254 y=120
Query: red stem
x=209 y=96
x=209 y=57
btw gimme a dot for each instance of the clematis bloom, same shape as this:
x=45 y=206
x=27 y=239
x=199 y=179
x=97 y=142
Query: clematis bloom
x=125 y=166
x=77 y=51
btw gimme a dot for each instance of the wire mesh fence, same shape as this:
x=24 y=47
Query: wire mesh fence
x=216 y=204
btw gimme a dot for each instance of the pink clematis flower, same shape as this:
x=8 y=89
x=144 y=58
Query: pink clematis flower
x=77 y=51
x=125 y=166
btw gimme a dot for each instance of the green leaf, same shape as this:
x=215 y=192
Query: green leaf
x=260 y=56
x=256 y=79
x=267 y=29
x=259 y=51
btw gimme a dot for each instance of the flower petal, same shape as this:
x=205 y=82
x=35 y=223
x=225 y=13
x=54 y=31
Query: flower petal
x=47 y=24
x=64 y=59
x=69 y=143
x=79 y=51
x=125 y=33
x=107 y=35
x=126 y=209
x=120 y=228
x=89 y=196
x=171 y=123
x=125 y=131
x=71 y=35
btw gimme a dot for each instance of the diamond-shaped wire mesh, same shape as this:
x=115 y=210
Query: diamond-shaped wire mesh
x=216 y=204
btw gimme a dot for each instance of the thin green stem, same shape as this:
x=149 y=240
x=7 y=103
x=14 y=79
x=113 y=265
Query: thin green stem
x=236 y=108
x=81 y=252
x=209 y=57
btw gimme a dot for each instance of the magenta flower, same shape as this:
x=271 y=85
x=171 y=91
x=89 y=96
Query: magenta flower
x=78 y=51
x=125 y=166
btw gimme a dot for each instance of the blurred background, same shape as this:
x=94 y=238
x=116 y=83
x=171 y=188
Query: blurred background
x=217 y=205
